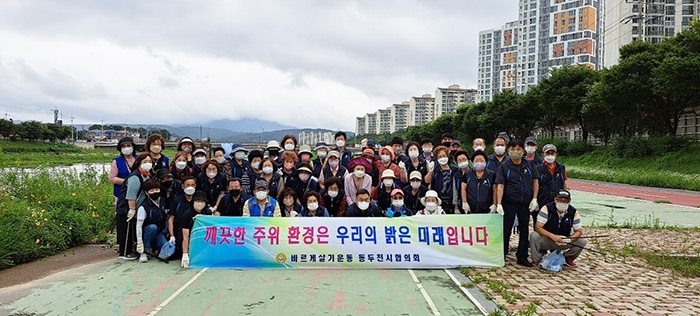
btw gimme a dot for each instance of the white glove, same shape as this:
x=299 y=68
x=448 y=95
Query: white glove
x=130 y=215
x=139 y=247
x=431 y=166
x=185 y=260
x=492 y=208
x=213 y=209
x=293 y=214
x=172 y=240
x=533 y=205
x=465 y=207
x=499 y=209
x=402 y=165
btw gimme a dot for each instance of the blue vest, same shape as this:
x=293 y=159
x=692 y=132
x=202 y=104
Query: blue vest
x=269 y=210
x=550 y=184
x=155 y=214
x=123 y=172
x=557 y=226
x=479 y=191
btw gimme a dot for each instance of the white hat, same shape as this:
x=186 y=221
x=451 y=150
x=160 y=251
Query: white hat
x=431 y=193
x=388 y=173
x=273 y=144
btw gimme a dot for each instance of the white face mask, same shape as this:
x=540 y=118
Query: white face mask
x=334 y=163
x=312 y=206
x=255 y=165
x=304 y=177
x=239 y=155
x=386 y=158
x=388 y=182
x=267 y=170
x=363 y=205
x=428 y=149
x=415 y=184
x=550 y=158
x=200 y=160
x=146 y=166
x=479 y=166
x=220 y=160
x=431 y=206
x=561 y=207
x=463 y=165
x=359 y=173
x=127 y=151
x=530 y=149
x=333 y=194
x=322 y=154
x=413 y=154
x=288 y=147
x=261 y=195
x=340 y=143
x=443 y=161
x=189 y=190
x=397 y=203
x=477 y=148
x=211 y=175
x=199 y=205
x=499 y=150
x=180 y=165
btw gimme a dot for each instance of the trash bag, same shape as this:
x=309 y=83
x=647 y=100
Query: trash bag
x=166 y=251
x=553 y=261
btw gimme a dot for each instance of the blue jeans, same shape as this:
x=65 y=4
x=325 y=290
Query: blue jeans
x=523 y=213
x=153 y=238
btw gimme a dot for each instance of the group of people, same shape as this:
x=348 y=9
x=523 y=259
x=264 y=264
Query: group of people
x=156 y=198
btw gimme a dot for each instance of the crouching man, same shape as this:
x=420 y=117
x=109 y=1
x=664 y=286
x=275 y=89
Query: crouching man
x=558 y=227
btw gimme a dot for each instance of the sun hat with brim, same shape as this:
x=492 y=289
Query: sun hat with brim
x=396 y=191
x=390 y=149
x=199 y=151
x=368 y=152
x=273 y=144
x=334 y=153
x=549 y=147
x=415 y=175
x=431 y=193
x=362 y=162
x=238 y=147
x=305 y=149
x=320 y=145
x=305 y=168
x=388 y=173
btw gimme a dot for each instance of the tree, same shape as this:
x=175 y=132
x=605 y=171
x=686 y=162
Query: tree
x=7 y=128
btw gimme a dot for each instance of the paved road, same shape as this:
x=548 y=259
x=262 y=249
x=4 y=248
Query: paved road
x=679 y=197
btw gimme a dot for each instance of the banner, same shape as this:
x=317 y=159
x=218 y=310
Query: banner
x=444 y=241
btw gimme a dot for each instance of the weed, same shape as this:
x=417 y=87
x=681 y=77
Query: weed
x=663 y=202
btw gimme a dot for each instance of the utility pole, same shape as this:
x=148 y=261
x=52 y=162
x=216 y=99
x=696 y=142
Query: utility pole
x=102 y=130
x=72 y=130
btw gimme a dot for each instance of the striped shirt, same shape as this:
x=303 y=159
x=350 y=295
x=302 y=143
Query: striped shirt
x=544 y=215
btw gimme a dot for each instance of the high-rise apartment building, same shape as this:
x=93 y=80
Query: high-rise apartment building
x=383 y=121
x=361 y=125
x=497 y=60
x=447 y=99
x=422 y=109
x=400 y=116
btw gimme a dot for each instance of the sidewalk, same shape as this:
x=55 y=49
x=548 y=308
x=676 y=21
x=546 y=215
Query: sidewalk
x=601 y=285
x=679 y=197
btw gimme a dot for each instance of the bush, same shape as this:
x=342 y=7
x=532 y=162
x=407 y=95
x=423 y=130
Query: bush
x=627 y=147
x=566 y=148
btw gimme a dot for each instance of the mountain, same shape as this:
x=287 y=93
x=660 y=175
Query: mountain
x=225 y=135
x=248 y=125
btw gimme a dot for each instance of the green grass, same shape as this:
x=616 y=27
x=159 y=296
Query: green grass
x=21 y=154
x=676 y=170
x=46 y=211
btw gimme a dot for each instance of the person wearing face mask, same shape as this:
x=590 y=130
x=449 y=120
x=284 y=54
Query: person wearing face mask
x=180 y=206
x=255 y=157
x=499 y=154
x=461 y=159
x=382 y=193
x=398 y=207
x=333 y=168
x=446 y=140
x=553 y=176
x=322 y=158
x=517 y=183
x=303 y=181
x=477 y=188
x=432 y=203
x=415 y=163
x=479 y=144
x=397 y=145
x=333 y=197
x=186 y=145
x=558 y=227
x=212 y=182
x=154 y=145
x=291 y=207
x=200 y=157
x=531 y=151
x=305 y=155
x=312 y=205
x=414 y=191
x=358 y=180
x=180 y=168
x=364 y=207
x=273 y=152
x=199 y=207
x=289 y=163
x=261 y=204
x=385 y=162
x=427 y=146
x=369 y=155
x=231 y=203
x=150 y=222
x=454 y=148
x=220 y=157
x=289 y=143
x=341 y=148
x=121 y=165
x=239 y=164
x=270 y=175
x=442 y=180
x=130 y=196
x=170 y=189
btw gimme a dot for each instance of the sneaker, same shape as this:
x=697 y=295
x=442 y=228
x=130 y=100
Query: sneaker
x=143 y=258
x=570 y=261
x=535 y=263
x=524 y=262
x=130 y=256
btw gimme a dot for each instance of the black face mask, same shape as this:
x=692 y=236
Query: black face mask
x=447 y=144
x=154 y=196
x=273 y=152
x=234 y=192
x=166 y=184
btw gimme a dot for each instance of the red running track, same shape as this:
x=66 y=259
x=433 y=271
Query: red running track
x=679 y=197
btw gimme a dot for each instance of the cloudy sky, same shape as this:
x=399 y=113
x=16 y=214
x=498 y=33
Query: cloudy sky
x=301 y=63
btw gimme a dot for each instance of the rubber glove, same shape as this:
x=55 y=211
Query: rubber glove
x=492 y=208
x=293 y=214
x=172 y=240
x=402 y=165
x=185 y=260
x=465 y=207
x=130 y=215
x=431 y=166
x=139 y=247
x=499 y=209
x=533 y=205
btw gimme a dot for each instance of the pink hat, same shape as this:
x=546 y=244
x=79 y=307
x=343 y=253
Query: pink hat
x=396 y=191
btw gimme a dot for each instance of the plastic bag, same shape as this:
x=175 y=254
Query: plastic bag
x=553 y=261
x=166 y=251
